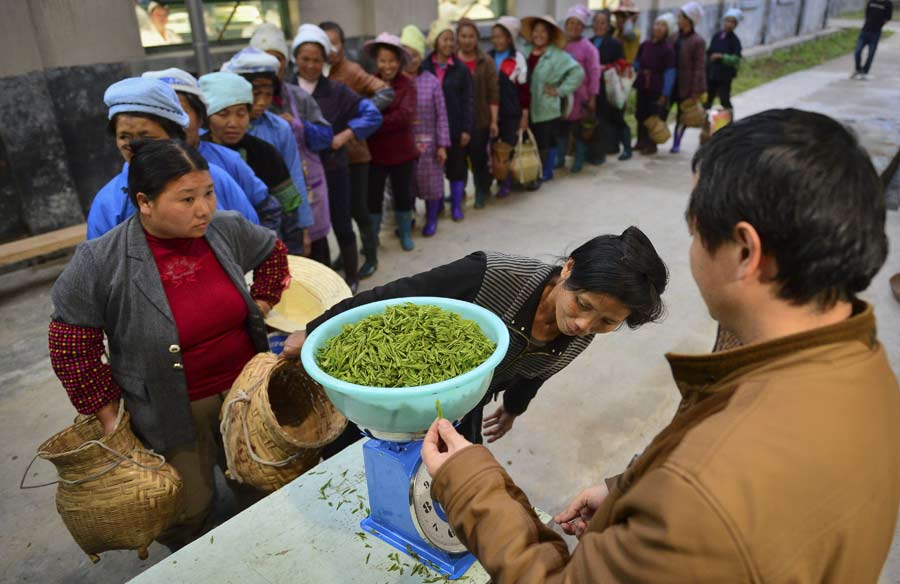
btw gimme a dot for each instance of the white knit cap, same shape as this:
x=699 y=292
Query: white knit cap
x=180 y=80
x=251 y=60
x=511 y=24
x=670 y=20
x=269 y=37
x=579 y=12
x=310 y=33
x=735 y=13
x=693 y=11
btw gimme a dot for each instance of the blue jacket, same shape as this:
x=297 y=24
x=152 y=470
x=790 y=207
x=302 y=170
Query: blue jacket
x=267 y=207
x=277 y=132
x=112 y=205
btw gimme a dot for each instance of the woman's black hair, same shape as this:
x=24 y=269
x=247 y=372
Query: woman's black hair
x=329 y=25
x=625 y=267
x=197 y=105
x=156 y=163
x=268 y=76
x=173 y=130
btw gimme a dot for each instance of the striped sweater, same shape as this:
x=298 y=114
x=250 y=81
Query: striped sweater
x=509 y=286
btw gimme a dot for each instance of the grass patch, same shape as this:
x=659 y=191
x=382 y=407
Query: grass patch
x=757 y=71
x=853 y=15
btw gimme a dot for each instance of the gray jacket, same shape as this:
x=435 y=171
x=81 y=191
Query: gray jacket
x=112 y=283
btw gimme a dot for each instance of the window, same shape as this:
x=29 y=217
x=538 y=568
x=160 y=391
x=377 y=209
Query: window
x=473 y=9
x=167 y=23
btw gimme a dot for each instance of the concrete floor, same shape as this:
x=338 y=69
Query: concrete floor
x=585 y=424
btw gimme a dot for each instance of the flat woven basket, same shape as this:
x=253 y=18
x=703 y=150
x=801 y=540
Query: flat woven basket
x=112 y=494
x=275 y=422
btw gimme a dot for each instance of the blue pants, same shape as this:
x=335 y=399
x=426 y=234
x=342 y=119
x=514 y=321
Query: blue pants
x=866 y=39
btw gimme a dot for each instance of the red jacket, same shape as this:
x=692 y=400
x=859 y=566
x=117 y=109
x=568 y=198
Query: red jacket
x=394 y=142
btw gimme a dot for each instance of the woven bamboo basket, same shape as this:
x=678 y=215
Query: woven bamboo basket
x=112 y=494
x=658 y=130
x=275 y=422
x=692 y=113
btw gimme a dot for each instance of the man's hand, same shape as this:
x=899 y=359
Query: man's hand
x=498 y=424
x=574 y=520
x=441 y=156
x=341 y=139
x=441 y=442
x=523 y=123
x=107 y=416
x=464 y=139
x=293 y=344
x=716 y=57
x=495 y=130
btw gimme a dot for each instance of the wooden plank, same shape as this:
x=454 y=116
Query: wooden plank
x=32 y=247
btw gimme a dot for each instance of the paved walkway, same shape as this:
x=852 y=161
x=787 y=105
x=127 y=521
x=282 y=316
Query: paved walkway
x=585 y=424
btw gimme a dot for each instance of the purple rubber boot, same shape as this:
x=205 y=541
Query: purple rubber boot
x=457 y=194
x=432 y=210
x=504 y=188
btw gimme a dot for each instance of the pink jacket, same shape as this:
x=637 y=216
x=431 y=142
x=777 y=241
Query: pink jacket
x=587 y=56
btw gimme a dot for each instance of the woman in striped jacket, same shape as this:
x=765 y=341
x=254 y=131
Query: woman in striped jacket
x=552 y=312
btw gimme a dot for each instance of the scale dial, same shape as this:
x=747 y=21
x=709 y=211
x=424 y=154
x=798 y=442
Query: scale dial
x=428 y=517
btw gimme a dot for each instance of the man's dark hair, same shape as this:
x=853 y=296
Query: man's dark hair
x=197 y=105
x=173 y=130
x=330 y=25
x=625 y=267
x=802 y=180
x=156 y=163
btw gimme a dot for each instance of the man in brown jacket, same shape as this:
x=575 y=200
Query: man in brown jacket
x=782 y=462
x=381 y=94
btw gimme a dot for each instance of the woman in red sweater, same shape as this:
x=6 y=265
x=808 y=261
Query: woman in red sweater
x=393 y=146
x=167 y=289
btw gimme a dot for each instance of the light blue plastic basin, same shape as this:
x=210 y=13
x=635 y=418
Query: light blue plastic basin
x=397 y=411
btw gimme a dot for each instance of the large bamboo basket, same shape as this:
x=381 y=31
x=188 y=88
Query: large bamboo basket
x=275 y=422
x=113 y=494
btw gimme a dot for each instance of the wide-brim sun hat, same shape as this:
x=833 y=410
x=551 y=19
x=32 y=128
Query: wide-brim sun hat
x=314 y=289
x=558 y=37
x=389 y=41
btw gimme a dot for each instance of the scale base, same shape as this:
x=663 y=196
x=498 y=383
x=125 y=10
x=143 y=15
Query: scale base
x=452 y=565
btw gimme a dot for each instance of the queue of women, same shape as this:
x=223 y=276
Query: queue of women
x=231 y=172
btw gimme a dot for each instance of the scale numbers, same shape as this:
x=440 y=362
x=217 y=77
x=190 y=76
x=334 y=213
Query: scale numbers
x=426 y=517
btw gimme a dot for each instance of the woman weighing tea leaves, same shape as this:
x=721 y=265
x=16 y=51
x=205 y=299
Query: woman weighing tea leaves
x=552 y=313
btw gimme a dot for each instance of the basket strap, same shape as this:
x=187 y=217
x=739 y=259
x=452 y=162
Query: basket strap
x=121 y=459
x=243 y=396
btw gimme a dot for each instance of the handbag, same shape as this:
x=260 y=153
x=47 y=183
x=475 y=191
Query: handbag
x=691 y=113
x=617 y=87
x=500 y=159
x=526 y=161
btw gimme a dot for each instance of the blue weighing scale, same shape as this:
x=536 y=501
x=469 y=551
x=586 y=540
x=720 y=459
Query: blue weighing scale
x=403 y=512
